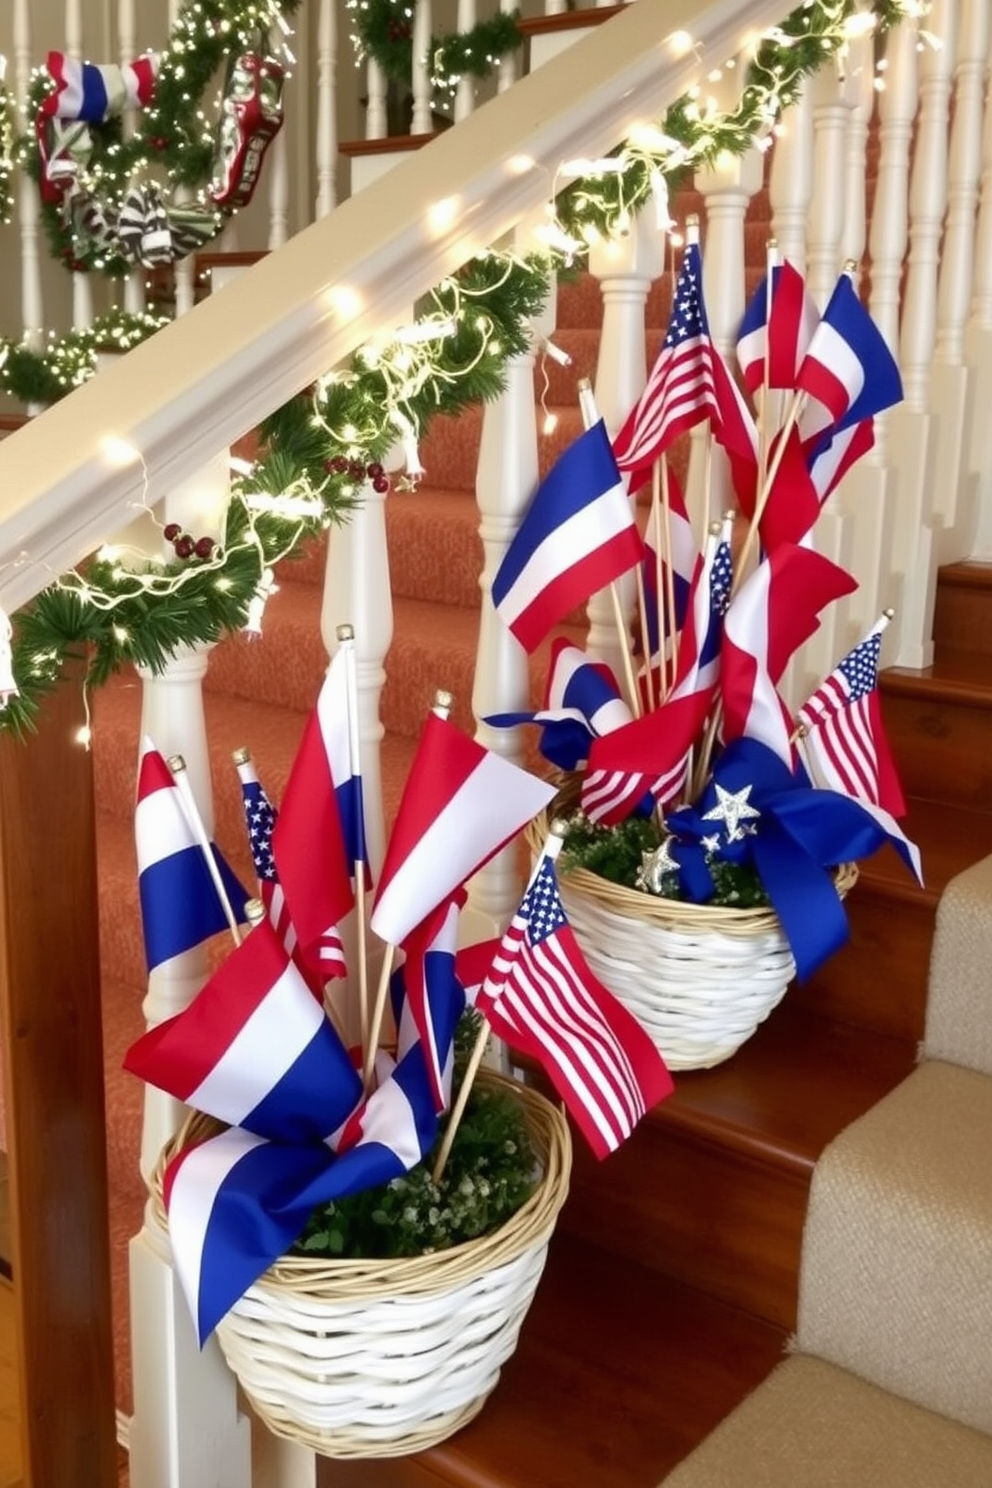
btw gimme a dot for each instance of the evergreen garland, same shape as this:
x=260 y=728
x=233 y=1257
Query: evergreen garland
x=383 y=32
x=34 y=377
x=320 y=445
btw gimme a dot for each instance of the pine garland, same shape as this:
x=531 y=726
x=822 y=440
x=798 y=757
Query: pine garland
x=172 y=138
x=320 y=446
x=34 y=377
x=383 y=32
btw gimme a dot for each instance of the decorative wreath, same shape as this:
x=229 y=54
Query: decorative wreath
x=319 y=449
x=112 y=199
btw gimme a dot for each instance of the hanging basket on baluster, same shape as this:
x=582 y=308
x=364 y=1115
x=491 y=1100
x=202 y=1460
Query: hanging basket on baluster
x=380 y=1358
x=700 y=978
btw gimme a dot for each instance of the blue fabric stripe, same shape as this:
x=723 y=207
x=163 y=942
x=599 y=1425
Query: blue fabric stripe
x=580 y=476
x=311 y=1098
x=179 y=904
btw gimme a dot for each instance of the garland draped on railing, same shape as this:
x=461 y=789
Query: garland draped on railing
x=316 y=450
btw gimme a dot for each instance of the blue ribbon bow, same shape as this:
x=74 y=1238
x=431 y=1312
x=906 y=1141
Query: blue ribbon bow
x=756 y=811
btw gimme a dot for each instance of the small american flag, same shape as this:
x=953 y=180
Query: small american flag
x=260 y=819
x=679 y=391
x=543 y=999
x=844 y=738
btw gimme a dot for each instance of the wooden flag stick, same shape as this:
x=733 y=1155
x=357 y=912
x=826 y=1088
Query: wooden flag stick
x=659 y=571
x=378 y=1013
x=346 y=643
x=669 y=662
x=179 y=773
x=458 y=1110
x=642 y=605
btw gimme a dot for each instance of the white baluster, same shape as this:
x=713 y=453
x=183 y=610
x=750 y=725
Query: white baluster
x=915 y=555
x=555 y=7
x=888 y=238
x=826 y=217
x=422 y=121
x=979 y=344
x=465 y=92
x=32 y=310
x=186 y=1431
x=82 y=294
x=506 y=479
x=509 y=66
x=860 y=513
x=889 y=232
x=183 y=272
x=860 y=93
x=790 y=185
x=357 y=592
x=952 y=384
x=928 y=201
x=375 y=109
x=278 y=164
x=625 y=268
x=726 y=188
x=134 y=284
x=326 y=146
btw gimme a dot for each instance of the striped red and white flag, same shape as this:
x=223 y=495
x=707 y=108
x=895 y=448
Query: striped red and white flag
x=541 y=997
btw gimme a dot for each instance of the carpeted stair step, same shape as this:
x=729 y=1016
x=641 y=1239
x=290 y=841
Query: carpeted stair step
x=617 y=1372
x=712 y=1188
x=898 y=1248
x=812 y=1425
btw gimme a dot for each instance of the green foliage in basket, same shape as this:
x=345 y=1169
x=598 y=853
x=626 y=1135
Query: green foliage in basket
x=616 y=854
x=489 y=1174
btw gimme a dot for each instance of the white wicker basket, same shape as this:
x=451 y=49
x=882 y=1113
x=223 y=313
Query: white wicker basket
x=382 y=1358
x=700 y=978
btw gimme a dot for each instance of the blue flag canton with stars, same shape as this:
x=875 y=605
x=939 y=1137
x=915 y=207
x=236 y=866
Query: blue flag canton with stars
x=860 y=667
x=721 y=575
x=261 y=818
x=541 y=906
x=688 y=316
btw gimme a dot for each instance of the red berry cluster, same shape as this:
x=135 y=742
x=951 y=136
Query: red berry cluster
x=186 y=546
x=356 y=471
x=399 y=31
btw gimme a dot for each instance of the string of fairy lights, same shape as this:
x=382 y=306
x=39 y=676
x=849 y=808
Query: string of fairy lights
x=320 y=450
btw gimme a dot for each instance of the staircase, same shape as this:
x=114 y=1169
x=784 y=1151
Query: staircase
x=672 y=1284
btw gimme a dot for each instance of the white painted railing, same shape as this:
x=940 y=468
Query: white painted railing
x=209 y=378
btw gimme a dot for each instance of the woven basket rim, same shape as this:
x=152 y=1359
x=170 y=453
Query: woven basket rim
x=673 y=914
x=437 y=1270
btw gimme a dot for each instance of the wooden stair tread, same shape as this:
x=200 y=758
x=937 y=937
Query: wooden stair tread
x=789 y=1089
x=969 y=574
x=617 y=1374
x=956 y=676
x=950 y=839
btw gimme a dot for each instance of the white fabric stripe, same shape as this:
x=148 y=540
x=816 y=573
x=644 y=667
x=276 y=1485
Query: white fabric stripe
x=268 y=1044
x=539 y=1005
x=581 y=535
x=191 y=1203
x=830 y=349
x=161 y=827
x=566 y=1005
x=483 y=810
x=389 y=1118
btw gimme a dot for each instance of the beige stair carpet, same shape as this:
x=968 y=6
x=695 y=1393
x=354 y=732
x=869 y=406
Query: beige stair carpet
x=896 y=1278
x=812 y=1425
x=959 y=996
